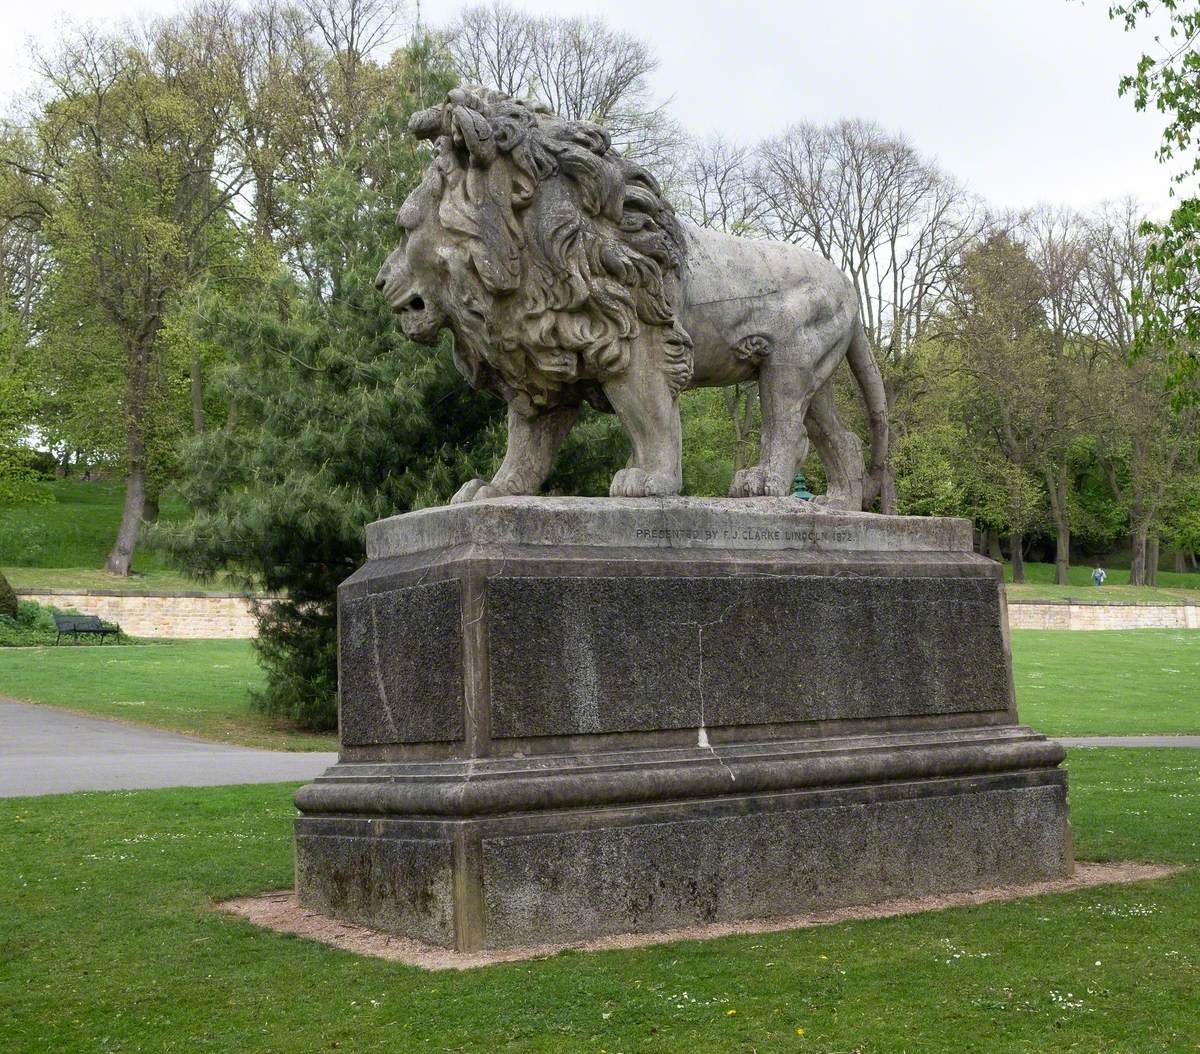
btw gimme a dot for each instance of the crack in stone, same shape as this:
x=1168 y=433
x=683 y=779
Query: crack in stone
x=380 y=683
x=702 y=731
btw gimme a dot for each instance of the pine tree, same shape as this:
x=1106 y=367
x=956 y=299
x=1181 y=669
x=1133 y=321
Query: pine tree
x=340 y=420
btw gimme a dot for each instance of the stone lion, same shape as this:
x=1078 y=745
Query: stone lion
x=566 y=277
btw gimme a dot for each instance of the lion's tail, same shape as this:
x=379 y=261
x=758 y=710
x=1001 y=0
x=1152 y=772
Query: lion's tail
x=870 y=380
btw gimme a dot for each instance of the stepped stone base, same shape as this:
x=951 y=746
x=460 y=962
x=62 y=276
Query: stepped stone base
x=565 y=718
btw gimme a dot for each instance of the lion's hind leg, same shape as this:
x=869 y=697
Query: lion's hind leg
x=840 y=451
x=784 y=396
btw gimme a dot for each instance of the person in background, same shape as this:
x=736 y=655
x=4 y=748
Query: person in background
x=1099 y=575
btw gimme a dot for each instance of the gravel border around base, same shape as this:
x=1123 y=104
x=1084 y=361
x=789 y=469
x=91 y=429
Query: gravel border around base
x=280 y=912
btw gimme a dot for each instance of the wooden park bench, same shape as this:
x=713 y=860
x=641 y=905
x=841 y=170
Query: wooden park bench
x=83 y=625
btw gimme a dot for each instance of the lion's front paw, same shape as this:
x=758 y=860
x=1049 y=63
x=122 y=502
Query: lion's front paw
x=756 y=482
x=474 y=490
x=637 y=483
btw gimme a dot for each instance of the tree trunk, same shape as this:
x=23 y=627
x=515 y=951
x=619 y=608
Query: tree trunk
x=739 y=401
x=1058 y=493
x=1137 y=565
x=1152 y=561
x=197 y=396
x=121 y=558
x=1016 y=542
x=1180 y=562
x=992 y=545
x=1062 y=556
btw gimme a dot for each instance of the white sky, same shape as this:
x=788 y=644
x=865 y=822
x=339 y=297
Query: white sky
x=1016 y=97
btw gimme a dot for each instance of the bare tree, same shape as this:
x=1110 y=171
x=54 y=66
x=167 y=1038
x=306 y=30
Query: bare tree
x=339 y=84
x=716 y=187
x=870 y=203
x=493 y=45
x=889 y=218
x=580 y=67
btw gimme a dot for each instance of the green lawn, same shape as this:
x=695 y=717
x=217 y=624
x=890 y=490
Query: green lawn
x=76 y=529
x=1124 y=682
x=84 y=578
x=1103 y=683
x=1039 y=584
x=195 y=687
x=64 y=543
x=108 y=943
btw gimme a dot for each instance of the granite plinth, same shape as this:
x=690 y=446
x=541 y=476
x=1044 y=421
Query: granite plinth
x=562 y=718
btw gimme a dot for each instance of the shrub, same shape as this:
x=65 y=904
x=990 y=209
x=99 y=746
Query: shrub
x=8 y=599
x=34 y=626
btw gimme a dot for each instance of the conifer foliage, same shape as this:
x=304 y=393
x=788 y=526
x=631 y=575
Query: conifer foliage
x=339 y=419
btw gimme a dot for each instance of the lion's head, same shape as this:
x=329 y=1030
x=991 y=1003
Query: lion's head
x=546 y=253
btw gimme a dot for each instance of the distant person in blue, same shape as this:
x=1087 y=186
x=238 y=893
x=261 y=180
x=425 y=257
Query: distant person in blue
x=1099 y=575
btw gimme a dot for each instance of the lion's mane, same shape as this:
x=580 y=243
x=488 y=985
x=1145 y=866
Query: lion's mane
x=564 y=256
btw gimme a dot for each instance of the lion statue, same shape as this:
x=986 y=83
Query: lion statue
x=566 y=277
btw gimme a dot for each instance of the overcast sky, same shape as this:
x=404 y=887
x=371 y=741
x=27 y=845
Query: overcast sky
x=1018 y=98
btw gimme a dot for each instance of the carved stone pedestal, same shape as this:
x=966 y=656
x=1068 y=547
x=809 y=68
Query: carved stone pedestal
x=562 y=718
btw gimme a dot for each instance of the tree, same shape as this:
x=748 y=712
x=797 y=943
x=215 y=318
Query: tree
x=23 y=210
x=580 y=67
x=997 y=318
x=1055 y=243
x=8 y=598
x=18 y=403
x=1145 y=436
x=132 y=146
x=716 y=188
x=1168 y=302
x=890 y=219
x=341 y=420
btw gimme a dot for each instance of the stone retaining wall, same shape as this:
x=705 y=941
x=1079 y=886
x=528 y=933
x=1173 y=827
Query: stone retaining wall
x=1086 y=614
x=227 y=615
x=178 y=615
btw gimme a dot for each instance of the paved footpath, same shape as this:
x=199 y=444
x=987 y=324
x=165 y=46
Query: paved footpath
x=1130 y=741
x=48 y=751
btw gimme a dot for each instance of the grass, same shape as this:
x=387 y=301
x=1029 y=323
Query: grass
x=76 y=529
x=65 y=542
x=85 y=578
x=63 y=545
x=1173 y=588
x=109 y=944
x=1068 y=684
x=197 y=687
x=1123 y=682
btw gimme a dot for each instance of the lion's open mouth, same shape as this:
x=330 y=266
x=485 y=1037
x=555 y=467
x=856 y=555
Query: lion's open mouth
x=420 y=322
x=413 y=303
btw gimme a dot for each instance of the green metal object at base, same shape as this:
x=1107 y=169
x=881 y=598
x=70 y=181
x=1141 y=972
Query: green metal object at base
x=799 y=490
